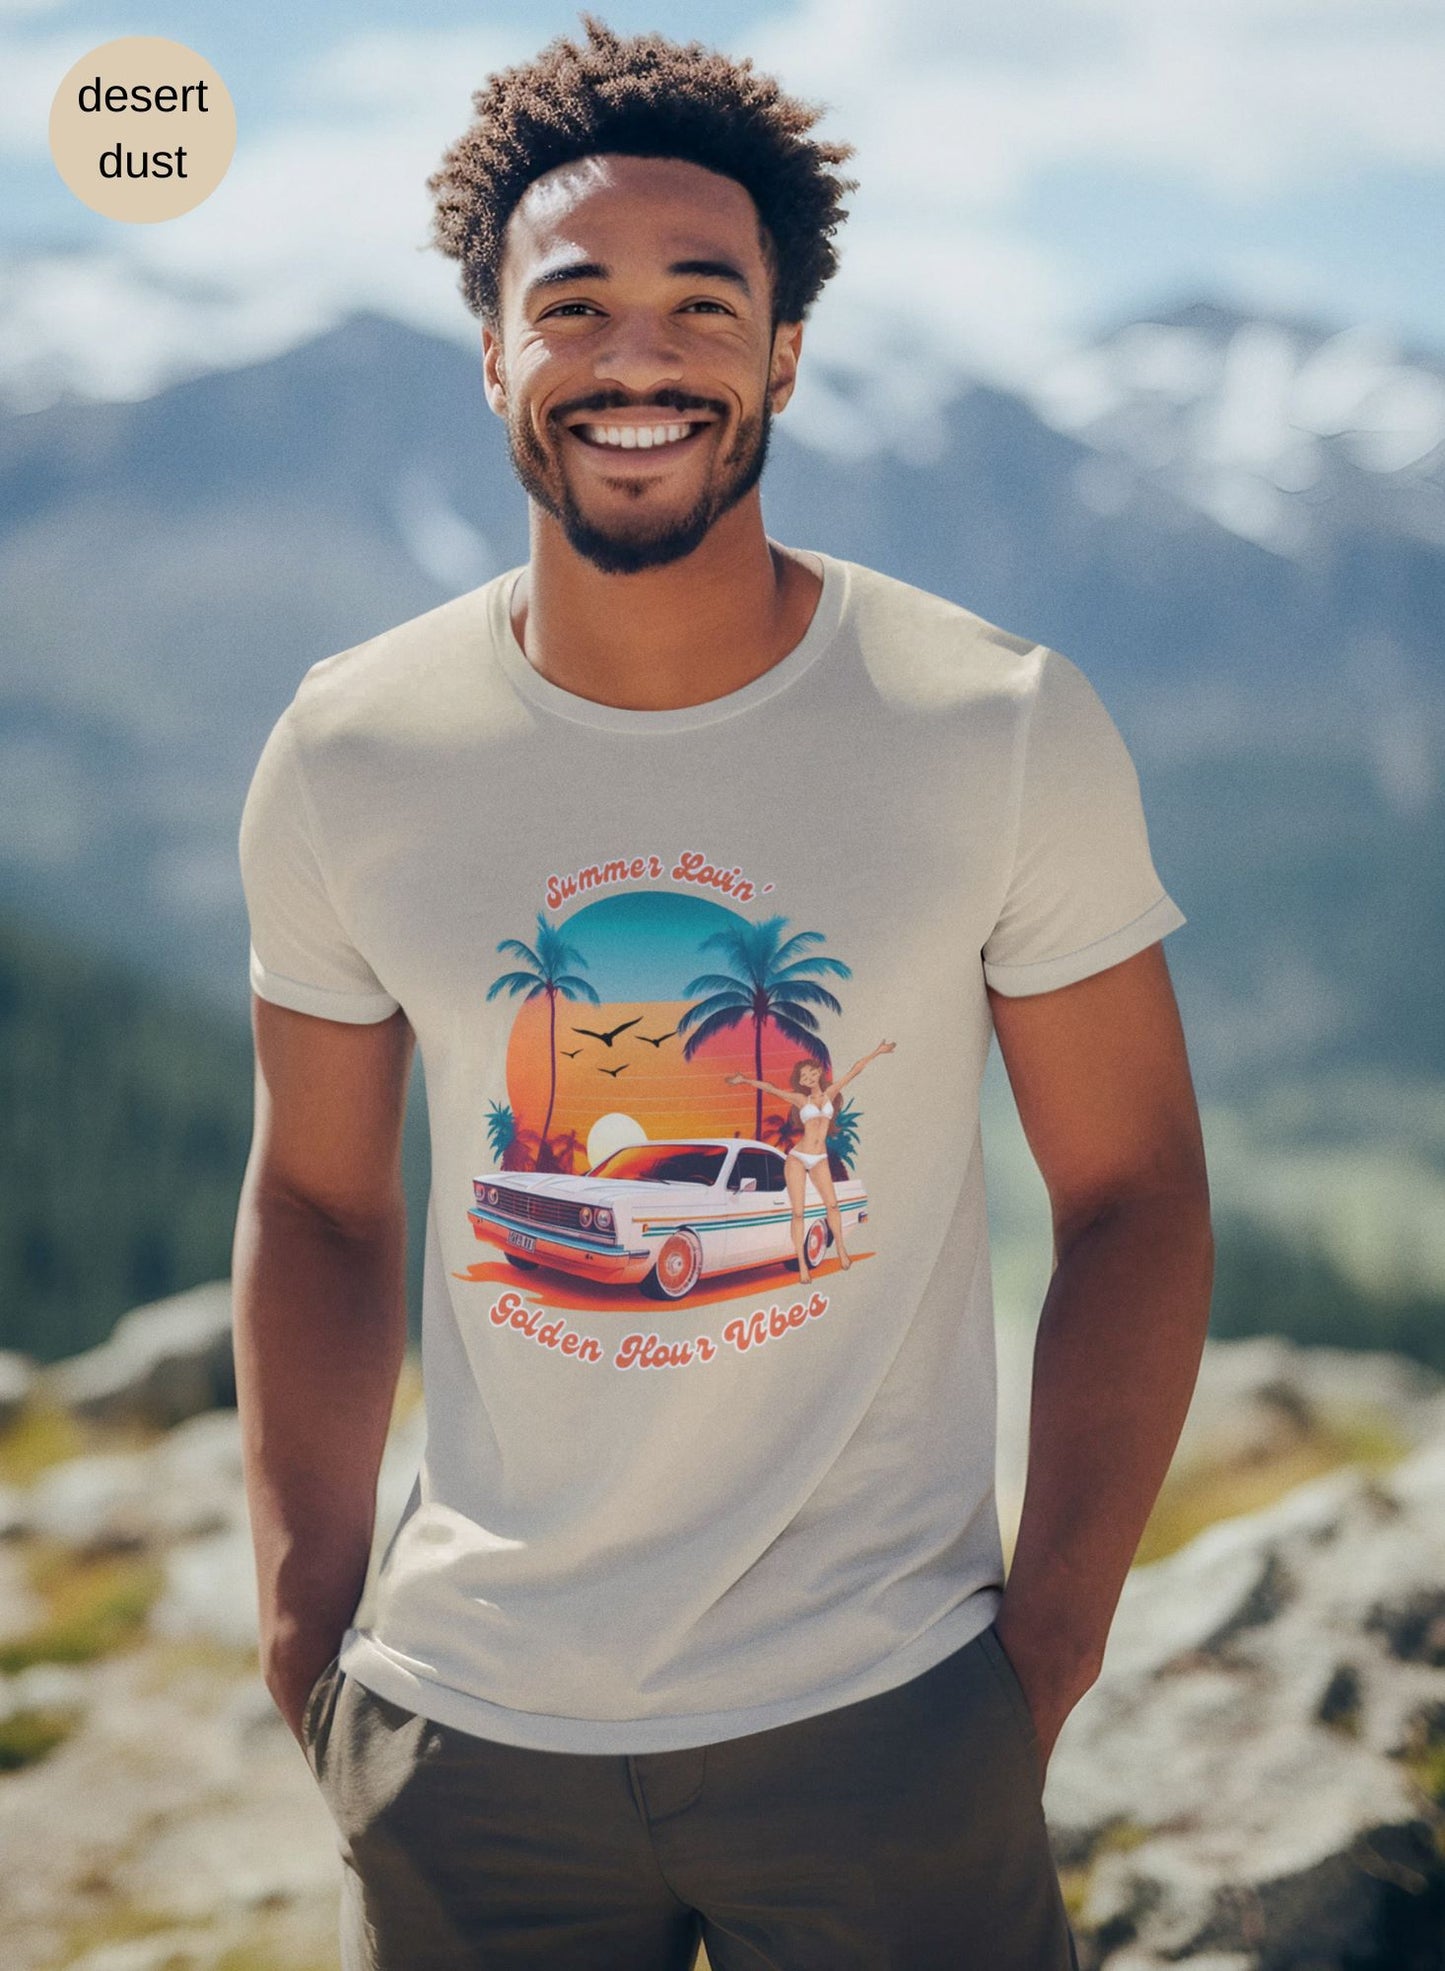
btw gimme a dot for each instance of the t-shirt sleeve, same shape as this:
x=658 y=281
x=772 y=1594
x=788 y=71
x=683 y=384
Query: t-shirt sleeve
x=301 y=954
x=1083 y=894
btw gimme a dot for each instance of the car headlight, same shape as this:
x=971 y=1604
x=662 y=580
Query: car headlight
x=584 y=1216
x=604 y=1219
x=494 y=1196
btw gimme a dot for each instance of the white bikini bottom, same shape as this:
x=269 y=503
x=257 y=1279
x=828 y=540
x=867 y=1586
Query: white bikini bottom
x=808 y=1161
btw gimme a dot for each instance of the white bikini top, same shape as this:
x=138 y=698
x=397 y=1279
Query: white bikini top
x=810 y=1109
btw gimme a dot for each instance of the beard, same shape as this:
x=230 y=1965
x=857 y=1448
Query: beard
x=625 y=547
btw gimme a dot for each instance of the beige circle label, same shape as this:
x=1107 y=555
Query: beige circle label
x=142 y=129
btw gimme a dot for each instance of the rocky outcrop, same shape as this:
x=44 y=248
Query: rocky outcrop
x=1258 y=1775
x=17 y=1380
x=163 y=1363
x=1255 y=1783
x=173 y=1824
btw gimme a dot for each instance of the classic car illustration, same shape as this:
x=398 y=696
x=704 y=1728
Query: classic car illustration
x=664 y=1214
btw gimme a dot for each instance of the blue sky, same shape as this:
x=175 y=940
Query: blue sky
x=1028 y=180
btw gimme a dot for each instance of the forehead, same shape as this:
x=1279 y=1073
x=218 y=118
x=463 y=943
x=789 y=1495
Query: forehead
x=650 y=205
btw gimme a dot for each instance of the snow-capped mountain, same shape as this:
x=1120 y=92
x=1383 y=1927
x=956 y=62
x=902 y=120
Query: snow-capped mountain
x=1233 y=526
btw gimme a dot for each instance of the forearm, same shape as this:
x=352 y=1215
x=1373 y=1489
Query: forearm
x=1115 y=1361
x=320 y=1333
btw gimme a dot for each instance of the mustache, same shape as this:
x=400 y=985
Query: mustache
x=665 y=400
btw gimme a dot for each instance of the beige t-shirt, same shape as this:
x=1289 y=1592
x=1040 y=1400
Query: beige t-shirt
x=670 y=1493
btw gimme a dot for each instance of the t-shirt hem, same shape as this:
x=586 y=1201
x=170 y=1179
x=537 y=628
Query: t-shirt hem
x=1045 y=974
x=368 y=1660
x=356 y=1008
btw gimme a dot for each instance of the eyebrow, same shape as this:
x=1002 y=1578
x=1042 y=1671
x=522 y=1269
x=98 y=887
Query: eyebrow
x=594 y=270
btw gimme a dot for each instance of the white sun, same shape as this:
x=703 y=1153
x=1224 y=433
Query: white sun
x=612 y=1132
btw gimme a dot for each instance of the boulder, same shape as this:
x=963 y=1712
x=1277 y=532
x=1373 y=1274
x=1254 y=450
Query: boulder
x=1246 y=1779
x=163 y=1363
x=17 y=1379
x=1258 y=1397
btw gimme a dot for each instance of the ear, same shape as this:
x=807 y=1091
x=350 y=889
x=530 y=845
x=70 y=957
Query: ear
x=783 y=374
x=493 y=375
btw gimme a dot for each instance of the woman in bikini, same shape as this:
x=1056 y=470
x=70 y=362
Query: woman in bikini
x=809 y=1155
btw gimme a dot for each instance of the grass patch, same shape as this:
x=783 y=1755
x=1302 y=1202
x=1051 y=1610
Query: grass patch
x=410 y=1392
x=43 y=1434
x=1427 y=1769
x=1074 y=1883
x=126 y=1922
x=119 y=1923
x=257 y=1957
x=28 y=1736
x=46 y=1433
x=1424 y=1758
x=1192 y=1499
x=168 y=1659
x=95 y=1606
x=1119 y=1836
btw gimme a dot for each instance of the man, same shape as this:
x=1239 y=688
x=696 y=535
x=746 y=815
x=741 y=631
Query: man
x=695 y=1625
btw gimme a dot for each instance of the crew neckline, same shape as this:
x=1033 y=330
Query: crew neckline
x=826 y=619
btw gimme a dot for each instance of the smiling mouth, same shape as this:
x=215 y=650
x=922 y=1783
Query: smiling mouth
x=638 y=440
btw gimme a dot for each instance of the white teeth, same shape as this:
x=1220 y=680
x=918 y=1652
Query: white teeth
x=635 y=437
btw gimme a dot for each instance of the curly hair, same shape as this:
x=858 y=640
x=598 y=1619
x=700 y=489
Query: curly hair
x=646 y=97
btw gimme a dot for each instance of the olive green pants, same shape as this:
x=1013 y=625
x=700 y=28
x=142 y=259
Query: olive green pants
x=902 y=1833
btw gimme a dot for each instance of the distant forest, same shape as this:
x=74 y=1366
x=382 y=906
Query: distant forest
x=125 y=1122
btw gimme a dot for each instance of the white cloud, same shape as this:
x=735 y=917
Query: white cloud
x=24 y=9
x=1245 y=97
x=32 y=67
x=954 y=109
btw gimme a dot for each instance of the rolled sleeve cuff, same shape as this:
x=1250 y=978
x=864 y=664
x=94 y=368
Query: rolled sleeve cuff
x=1045 y=974
x=356 y=1008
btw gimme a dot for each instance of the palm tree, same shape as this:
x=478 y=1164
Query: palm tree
x=501 y=1129
x=771 y=980
x=842 y=1137
x=549 y=974
x=509 y=1144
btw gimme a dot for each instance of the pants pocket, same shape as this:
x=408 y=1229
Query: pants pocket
x=314 y=1706
x=1007 y=1679
x=366 y=1753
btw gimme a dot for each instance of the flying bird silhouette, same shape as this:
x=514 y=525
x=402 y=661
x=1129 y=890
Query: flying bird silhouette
x=614 y=1072
x=570 y=1052
x=607 y=1038
x=659 y=1040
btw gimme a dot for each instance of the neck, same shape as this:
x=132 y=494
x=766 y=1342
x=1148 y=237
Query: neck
x=667 y=637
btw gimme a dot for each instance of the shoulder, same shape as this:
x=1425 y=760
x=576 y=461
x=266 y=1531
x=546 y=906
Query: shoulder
x=929 y=654
x=406 y=686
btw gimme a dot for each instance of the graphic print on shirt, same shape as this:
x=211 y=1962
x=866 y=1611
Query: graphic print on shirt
x=674 y=1131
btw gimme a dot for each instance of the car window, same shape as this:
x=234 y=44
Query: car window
x=663 y=1163
x=765 y=1167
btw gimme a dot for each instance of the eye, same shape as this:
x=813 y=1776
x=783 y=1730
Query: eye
x=708 y=303
x=563 y=306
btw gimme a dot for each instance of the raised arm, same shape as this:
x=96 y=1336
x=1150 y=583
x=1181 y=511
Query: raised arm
x=318 y=1278
x=784 y=1094
x=883 y=1047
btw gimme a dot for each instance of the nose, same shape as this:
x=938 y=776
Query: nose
x=639 y=353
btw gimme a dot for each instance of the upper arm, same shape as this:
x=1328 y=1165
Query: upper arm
x=330 y=1111
x=1101 y=1078
x=333 y=1046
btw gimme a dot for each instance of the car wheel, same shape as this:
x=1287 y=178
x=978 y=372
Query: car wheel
x=816 y=1242
x=522 y=1265
x=678 y=1266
